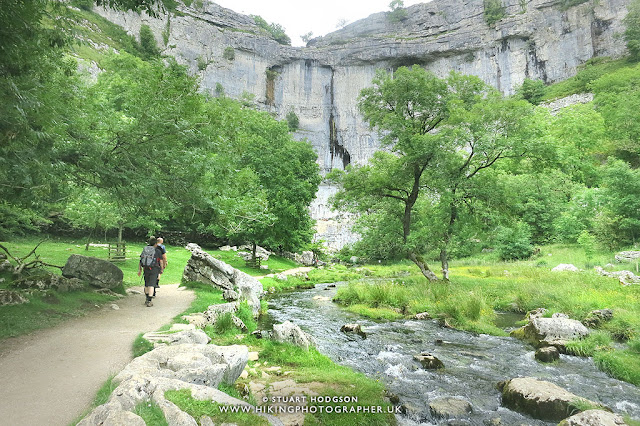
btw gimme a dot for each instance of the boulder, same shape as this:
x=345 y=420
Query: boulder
x=5 y=265
x=290 y=333
x=207 y=365
x=565 y=267
x=428 y=361
x=628 y=256
x=353 y=328
x=596 y=318
x=594 y=418
x=540 y=399
x=547 y=354
x=177 y=336
x=48 y=281
x=204 y=268
x=625 y=277
x=230 y=295
x=10 y=298
x=306 y=258
x=97 y=272
x=423 y=316
x=536 y=313
x=262 y=253
x=450 y=408
x=556 y=332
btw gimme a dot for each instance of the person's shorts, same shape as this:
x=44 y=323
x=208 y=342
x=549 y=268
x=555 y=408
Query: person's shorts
x=151 y=277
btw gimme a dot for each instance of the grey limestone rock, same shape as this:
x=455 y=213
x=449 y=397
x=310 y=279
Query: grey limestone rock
x=204 y=268
x=428 y=361
x=539 y=399
x=48 y=281
x=97 y=272
x=556 y=332
x=547 y=354
x=448 y=408
x=11 y=297
x=291 y=333
x=594 y=418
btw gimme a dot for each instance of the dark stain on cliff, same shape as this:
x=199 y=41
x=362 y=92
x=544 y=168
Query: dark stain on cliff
x=336 y=149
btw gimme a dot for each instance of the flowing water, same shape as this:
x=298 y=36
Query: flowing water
x=474 y=364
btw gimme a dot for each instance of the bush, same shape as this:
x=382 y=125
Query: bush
x=493 y=11
x=514 y=243
x=532 y=91
x=229 y=53
x=293 y=121
x=148 y=44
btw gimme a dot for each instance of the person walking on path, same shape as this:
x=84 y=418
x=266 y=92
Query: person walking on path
x=164 y=263
x=151 y=263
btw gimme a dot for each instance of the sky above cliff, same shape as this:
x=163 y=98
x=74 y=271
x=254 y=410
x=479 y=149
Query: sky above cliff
x=299 y=17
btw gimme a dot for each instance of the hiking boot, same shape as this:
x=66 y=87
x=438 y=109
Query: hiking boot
x=148 y=303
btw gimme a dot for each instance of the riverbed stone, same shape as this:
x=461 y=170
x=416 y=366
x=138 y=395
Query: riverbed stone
x=428 y=361
x=594 y=418
x=97 y=272
x=450 y=408
x=547 y=354
x=290 y=333
x=542 y=332
x=539 y=399
x=353 y=328
x=536 y=313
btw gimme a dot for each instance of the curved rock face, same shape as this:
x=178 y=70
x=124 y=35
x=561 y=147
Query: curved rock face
x=320 y=83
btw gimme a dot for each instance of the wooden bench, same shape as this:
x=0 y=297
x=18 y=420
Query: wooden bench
x=117 y=252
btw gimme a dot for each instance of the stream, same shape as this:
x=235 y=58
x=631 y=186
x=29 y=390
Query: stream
x=474 y=364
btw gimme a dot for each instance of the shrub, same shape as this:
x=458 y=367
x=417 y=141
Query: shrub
x=532 y=91
x=148 y=44
x=293 y=121
x=514 y=243
x=493 y=11
x=229 y=53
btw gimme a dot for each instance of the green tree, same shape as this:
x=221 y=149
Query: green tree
x=494 y=11
x=441 y=136
x=148 y=44
x=617 y=99
x=532 y=91
x=398 y=12
x=632 y=30
x=277 y=31
x=39 y=88
x=618 y=222
x=140 y=140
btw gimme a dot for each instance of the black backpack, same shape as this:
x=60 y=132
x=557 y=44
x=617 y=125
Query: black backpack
x=148 y=257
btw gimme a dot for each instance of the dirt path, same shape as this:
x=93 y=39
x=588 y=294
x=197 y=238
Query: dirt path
x=50 y=377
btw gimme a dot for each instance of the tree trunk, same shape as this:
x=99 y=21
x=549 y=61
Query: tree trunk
x=424 y=268
x=86 y=247
x=120 y=227
x=253 y=251
x=444 y=260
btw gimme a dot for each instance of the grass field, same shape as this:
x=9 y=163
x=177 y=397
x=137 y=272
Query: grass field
x=48 y=309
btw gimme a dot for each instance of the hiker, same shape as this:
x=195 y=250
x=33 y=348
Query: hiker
x=151 y=262
x=163 y=263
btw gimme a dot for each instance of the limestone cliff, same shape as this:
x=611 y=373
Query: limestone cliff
x=537 y=39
